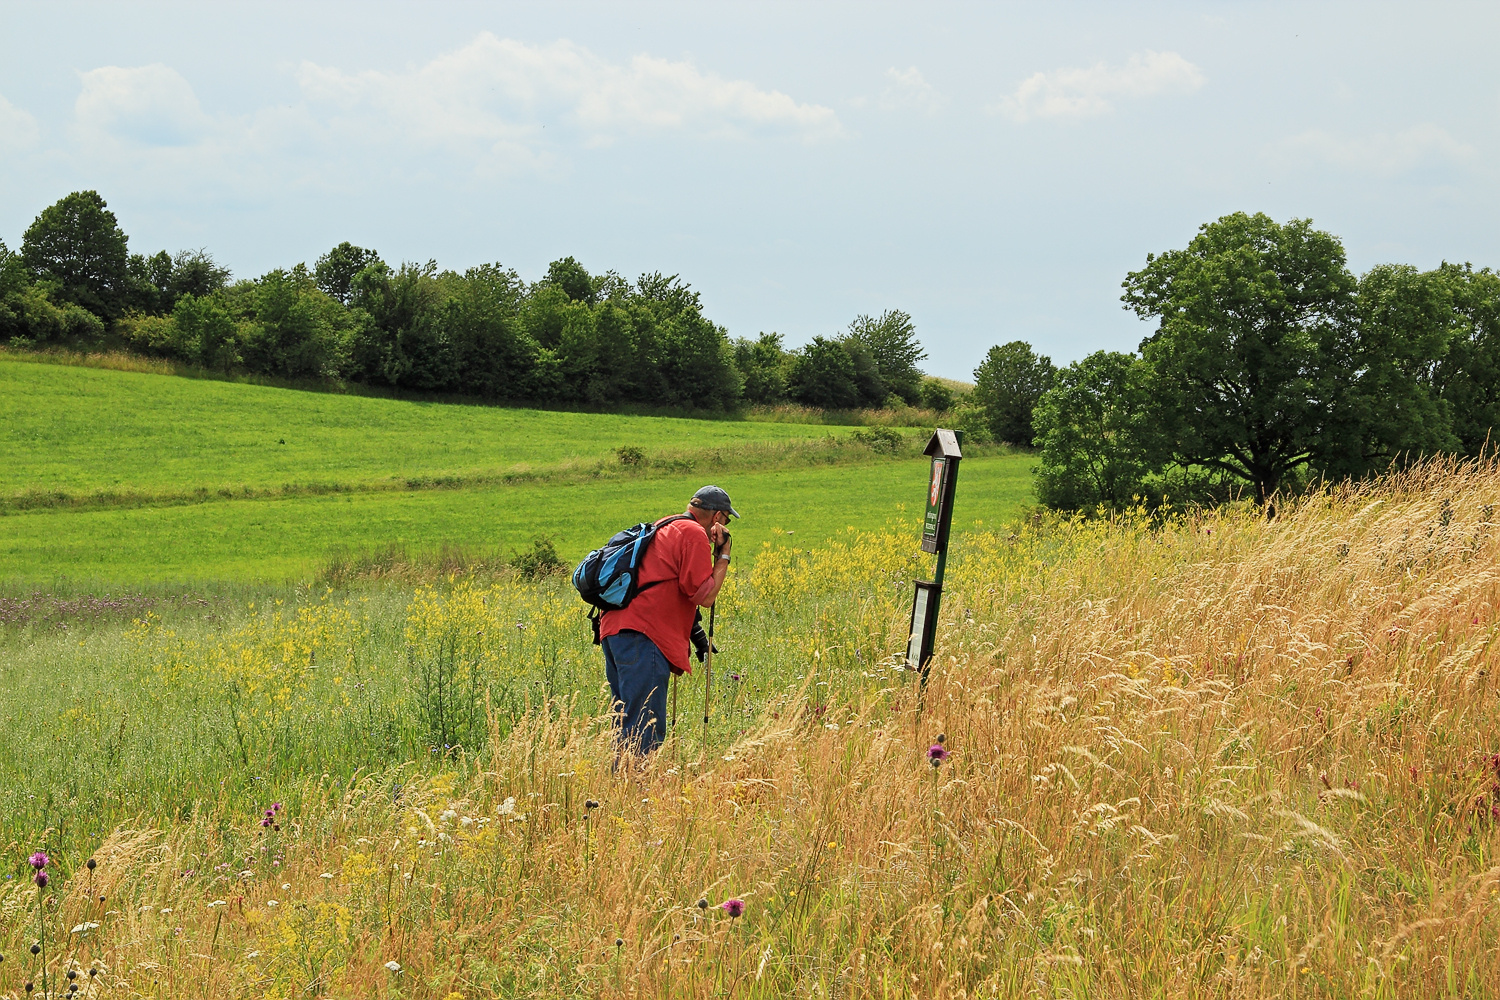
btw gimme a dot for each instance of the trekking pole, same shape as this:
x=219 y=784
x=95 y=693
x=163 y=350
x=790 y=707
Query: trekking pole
x=708 y=670
x=674 y=701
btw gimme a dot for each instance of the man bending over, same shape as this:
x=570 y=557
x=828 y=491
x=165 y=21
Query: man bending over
x=646 y=642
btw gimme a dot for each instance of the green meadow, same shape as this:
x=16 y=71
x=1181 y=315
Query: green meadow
x=283 y=539
x=126 y=478
x=83 y=431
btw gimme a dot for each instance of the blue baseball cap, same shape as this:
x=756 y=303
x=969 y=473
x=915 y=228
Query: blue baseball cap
x=713 y=498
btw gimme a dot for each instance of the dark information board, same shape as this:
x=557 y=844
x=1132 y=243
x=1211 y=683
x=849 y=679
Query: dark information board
x=932 y=522
x=942 y=476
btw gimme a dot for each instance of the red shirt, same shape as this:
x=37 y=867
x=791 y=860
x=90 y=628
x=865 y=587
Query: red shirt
x=681 y=557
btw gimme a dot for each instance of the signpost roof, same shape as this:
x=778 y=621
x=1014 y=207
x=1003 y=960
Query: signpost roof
x=945 y=443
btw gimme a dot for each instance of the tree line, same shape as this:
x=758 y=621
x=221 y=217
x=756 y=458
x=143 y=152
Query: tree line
x=1271 y=366
x=569 y=337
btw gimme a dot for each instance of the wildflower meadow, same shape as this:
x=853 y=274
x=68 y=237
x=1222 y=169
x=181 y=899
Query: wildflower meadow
x=1213 y=754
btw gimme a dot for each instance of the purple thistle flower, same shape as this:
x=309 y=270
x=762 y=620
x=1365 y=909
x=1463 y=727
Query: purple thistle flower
x=41 y=878
x=40 y=861
x=937 y=753
x=733 y=907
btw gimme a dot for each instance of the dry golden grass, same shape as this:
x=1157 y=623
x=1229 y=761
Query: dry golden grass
x=1225 y=757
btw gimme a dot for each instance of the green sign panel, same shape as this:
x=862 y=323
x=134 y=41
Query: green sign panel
x=937 y=495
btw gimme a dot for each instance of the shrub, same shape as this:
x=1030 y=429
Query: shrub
x=974 y=420
x=936 y=396
x=880 y=439
x=34 y=315
x=541 y=561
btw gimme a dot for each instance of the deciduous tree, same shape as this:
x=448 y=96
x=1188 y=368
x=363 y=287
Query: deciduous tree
x=1382 y=402
x=1467 y=380
x=1008 y=384
x=891 y=340
x=336 y=270
x=77 y=247
x=823 y=374
x=1251 y=315
x=1099 y=435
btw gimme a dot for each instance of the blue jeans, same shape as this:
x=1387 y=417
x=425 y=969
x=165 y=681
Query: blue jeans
x=638 y=677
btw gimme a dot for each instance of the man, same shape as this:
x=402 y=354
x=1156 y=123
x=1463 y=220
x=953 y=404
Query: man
x=646 y=642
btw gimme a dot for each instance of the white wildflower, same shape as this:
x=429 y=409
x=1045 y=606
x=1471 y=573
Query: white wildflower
x=393 y=965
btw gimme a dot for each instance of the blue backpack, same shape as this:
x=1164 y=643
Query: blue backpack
x=609 y=577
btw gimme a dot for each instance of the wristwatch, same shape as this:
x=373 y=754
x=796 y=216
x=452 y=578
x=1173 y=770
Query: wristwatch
x=724 y=557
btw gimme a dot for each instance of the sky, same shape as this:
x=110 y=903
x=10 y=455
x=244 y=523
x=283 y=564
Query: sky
x=995 y=170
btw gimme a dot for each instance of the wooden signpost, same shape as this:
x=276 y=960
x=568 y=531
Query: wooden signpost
x=945 y=452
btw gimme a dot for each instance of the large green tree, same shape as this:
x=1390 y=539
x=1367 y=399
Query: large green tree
x=76 y=247
x=336 y=270
x=762 y=364
x=1467 y=380
x=1248 y=351
x=291 y=327
x=891 y=342
x=575 y=282
x=1382 y=404
x=1099 y=434
x=1008 y=384
x=823 y=374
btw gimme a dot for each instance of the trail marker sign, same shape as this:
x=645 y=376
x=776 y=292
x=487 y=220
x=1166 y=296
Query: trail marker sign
x=945 y=452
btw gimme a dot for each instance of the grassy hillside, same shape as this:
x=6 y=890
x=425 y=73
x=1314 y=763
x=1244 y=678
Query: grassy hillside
x=112 y=478
x=85 y=430
x=285 y=539
x=1217 y=757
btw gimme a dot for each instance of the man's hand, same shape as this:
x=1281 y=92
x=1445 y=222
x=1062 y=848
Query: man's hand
x=710 y=589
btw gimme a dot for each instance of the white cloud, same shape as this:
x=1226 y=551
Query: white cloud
x=18 y=130
x=149 y=105
x=498 y=91
x=908 y=90
x=1078 y=93
x=493 y=106
x=1382 y=154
